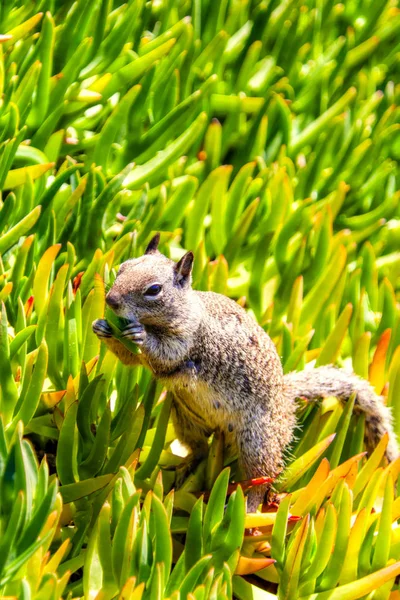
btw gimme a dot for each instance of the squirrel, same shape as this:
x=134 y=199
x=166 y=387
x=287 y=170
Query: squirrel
x=222 y=368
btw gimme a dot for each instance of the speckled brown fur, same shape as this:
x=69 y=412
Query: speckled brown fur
x=330 y=381
x=221 y=367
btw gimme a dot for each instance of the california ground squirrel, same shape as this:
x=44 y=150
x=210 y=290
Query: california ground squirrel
x=222 y=368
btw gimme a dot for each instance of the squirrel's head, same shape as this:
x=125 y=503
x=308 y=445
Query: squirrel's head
x=152 y=288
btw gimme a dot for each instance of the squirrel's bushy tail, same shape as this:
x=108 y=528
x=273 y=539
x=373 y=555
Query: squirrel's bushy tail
x=330 y=381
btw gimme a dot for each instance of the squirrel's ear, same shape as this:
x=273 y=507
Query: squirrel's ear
x=183 y=268
x=153 y=245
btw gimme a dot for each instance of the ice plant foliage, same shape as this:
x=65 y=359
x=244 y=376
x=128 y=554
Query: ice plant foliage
x=263 y=135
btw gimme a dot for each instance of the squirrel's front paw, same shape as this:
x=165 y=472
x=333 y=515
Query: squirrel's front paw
x=135 y=332
x=101 y=328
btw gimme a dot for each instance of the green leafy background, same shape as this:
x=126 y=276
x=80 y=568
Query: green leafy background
x=264 y=136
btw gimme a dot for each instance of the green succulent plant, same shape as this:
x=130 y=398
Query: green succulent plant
x=264 y=136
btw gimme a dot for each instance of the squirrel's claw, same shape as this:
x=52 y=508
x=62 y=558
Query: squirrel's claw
x=101 y=328
x=134 y=332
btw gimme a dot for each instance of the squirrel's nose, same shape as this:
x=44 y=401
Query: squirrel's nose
x=112 y=300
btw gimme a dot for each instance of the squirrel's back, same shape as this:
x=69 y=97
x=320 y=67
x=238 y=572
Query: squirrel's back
x=237 y=350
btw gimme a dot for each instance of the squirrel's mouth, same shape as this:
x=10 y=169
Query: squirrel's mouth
x=124 y=313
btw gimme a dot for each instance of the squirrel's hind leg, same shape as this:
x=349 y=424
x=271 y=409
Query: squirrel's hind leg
x=261 y=444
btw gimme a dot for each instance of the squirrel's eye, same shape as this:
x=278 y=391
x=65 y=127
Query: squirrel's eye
x=153 y=290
